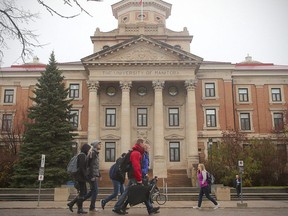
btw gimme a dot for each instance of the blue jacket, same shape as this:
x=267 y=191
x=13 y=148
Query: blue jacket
x=145 y=164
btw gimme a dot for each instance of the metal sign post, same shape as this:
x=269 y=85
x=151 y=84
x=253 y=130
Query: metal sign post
x=241 y=171
x=41 y=175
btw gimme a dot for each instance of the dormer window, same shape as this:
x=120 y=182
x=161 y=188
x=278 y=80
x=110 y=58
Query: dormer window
x=177 y=46
x=105 y=47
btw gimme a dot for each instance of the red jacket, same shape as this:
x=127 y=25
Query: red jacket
x=135 y=158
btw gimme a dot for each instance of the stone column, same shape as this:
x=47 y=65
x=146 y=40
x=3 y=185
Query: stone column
x=93 y=111
x=125 y=116
x=159 y=162
x=191 y=128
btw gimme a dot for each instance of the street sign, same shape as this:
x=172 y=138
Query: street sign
x=43 y=160
x=41 y=170
x=40 y=177
x=240 y=163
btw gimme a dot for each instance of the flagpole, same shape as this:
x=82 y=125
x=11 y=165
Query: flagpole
x=141 y=3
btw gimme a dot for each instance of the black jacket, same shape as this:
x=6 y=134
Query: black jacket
x=81 y=174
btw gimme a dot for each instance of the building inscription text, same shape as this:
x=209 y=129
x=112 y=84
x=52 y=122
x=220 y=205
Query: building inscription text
x=140 y=73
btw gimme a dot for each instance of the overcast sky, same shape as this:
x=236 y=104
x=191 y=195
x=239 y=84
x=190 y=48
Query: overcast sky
x=223 y=30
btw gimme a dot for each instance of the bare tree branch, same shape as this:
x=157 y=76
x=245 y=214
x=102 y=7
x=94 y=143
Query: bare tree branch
x=12 y=18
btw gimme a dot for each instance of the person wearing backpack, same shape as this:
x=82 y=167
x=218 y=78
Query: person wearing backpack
x=93 y=174
x=117 y=179
x=81 y=178
x=204 y=187
x=135 y=177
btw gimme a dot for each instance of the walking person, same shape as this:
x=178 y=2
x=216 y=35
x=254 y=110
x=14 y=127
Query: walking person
x=237 y=185
x=81 y=178
x=135 y=177
x=145 y=164
x=117 y=181
x=204 y=187
x=93 y=174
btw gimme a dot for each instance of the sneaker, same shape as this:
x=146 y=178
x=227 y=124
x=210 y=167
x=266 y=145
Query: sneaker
x=93 y=210
x=154 y=210
x=102 y=203
x=119 y=211
x=81 y=211
x=196 y=207
x=216 y=206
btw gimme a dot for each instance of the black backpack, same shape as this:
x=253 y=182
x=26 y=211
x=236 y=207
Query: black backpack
x=121 y=166
x=125 y=163
x=210 y=178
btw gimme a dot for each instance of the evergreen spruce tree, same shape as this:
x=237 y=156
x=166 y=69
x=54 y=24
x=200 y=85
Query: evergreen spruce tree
x=48 y=132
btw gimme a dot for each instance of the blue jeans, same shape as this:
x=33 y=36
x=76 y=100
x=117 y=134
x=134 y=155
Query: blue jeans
x=118 y=187
x=206 y=191
x=92 y=193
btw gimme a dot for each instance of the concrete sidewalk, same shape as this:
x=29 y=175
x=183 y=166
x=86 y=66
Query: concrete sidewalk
x=168 y=204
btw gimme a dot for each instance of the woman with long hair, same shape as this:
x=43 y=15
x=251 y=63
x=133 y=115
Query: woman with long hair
x=204 y=187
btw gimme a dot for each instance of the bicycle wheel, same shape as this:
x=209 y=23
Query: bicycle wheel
x=161 y=199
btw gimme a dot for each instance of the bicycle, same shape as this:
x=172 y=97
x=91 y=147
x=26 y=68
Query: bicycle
x=155 y=194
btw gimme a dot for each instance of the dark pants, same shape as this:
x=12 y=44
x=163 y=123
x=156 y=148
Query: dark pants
x=82 y=193
x=205 y=190
x=92 y=193
x=238 y=189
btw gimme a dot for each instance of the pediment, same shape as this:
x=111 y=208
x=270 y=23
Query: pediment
x=139 y=50
x=110 y=137
x=174 y=137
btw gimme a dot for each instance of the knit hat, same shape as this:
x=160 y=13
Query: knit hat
x=95 y=143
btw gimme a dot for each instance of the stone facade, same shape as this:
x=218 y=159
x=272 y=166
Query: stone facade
x=143 y=82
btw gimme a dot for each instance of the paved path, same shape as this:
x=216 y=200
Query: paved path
x=142 y=212
x=169 y=204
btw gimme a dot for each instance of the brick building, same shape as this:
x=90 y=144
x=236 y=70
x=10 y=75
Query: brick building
x=143 y=81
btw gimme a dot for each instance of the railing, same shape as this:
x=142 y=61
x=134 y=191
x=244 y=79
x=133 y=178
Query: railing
x=173 y=194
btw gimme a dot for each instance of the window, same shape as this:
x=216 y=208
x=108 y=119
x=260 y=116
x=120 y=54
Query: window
x=8 y=95
x=278 y=121
x=276 y=94
x=177 y=46
x=210 y=90
x=245 y=121
x=7 y=122
x=173 y=117
x=174 y=150
x=211 y=118
x=110 y=149
x=75 y=118
x=142 y=117
x=243 y=94
x=74 y=90
x=110 y=117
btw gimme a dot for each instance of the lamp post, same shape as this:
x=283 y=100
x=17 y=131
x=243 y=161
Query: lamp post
x=74 y=148
x=210 y=143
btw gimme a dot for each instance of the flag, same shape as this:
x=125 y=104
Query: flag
x=140 y=2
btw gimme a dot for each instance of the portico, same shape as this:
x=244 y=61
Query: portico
x=159 y=87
